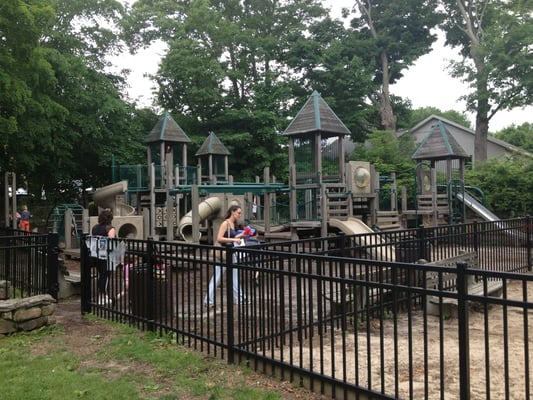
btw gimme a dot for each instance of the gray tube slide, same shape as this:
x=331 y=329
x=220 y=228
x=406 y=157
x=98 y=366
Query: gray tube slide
x=206 y=208
x=105 y=197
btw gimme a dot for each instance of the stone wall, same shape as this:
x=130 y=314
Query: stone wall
x=26 y=314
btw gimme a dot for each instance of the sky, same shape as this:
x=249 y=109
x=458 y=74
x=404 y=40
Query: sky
x=426 y=83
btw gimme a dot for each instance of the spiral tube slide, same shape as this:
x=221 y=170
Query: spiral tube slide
x=104 y=197
x=206 y=208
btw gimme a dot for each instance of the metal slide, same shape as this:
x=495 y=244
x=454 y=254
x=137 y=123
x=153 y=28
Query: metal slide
x=477 y=207
x=487 y=215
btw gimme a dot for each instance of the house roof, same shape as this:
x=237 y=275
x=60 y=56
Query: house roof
x=212 y=145
x=316 y=116
x=509 y=147
x=439 y=144
x=167 y=130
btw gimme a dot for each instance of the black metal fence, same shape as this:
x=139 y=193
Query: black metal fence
x=345 y=315
x=28 y=264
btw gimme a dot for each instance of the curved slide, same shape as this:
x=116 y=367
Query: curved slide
x=209 y=206
x=104 y=197
x=376 y=245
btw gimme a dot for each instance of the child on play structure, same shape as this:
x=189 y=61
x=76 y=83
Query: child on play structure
x=25 y=216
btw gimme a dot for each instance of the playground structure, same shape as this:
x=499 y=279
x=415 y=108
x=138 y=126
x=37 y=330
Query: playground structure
x=167 y=199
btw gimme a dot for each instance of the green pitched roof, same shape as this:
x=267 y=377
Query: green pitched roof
x=316 y=116
x=167 y=130
x=439 y=144
x=212 y=145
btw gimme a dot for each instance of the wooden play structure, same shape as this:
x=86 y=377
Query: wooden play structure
x=440 y=180
x=170 y=200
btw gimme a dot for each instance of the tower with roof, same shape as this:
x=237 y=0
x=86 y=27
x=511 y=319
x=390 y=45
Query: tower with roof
x=440 y=177
x=213 y=161
x=320 y=190
x=167 y=146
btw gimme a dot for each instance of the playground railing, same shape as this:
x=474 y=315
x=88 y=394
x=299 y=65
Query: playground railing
x=342 y=315
x=28 y=264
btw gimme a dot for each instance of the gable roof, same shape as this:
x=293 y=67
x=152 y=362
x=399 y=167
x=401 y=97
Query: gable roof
x=508 y=146
x=212 y=145
x=316 y=116
x=439 y=144
x=167 y=130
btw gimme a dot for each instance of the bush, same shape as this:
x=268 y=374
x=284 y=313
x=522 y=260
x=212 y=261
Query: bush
x=506 y=183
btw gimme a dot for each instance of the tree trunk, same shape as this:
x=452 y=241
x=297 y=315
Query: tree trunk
x=480 y=141
x=483 y=107
x=388 y=120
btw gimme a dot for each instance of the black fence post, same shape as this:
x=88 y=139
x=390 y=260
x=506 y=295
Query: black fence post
x=476 y=233
x=528 y=242
x=342 y=241
x=149 y=283
x=229 y=299
x=423 y=245
x=53 y=265
x=85 y=275
x=342 y=275
x=464 y=346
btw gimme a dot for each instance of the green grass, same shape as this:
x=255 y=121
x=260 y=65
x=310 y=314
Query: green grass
x=131 y=365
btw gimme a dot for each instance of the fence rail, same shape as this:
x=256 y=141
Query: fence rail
x=28 y=264
x=345 y=315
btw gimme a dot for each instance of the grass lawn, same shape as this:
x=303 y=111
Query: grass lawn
x=105 y=360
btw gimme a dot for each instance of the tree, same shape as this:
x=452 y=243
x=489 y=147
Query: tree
x=328 y=60
x=28 y=114
x=69 y=117
x=100 y=124
x=226 y=70
x=390 y=154
x=393 y=35
x=495 y=39
x=506 y=183
x=520 y=136
x=421 y=114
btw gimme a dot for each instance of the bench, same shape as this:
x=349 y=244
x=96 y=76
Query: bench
x=69 y=282
x=447 y=281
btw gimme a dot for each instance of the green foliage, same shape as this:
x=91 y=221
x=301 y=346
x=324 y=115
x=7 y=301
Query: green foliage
x=495 y=40
x=62 y=115
x=226 y=71
x=506 y=183
x=330 y=62
x=520 y=136
x=399 y=30
x=421 y=114
x=239 y=69
x=28 y=114
x=391 y=36
x=389 y=154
